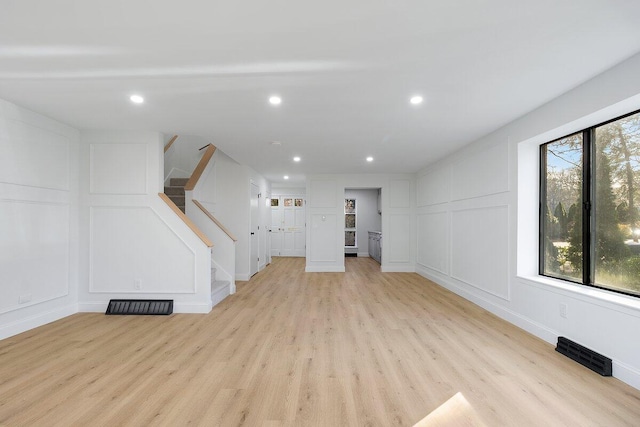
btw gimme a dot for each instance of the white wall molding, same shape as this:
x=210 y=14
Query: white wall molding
x=391 y=268
x=36 y=320
x=529 y=325
x=117 y=168
x=178 y=307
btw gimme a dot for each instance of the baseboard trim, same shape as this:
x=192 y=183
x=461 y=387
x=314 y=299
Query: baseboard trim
x=220 y=294
x=386 y=268
x=243 y=277
x=101 y=307
x=363 y=254
x=32 y=322
x=535 y=328
x=621 y=371
x=627 y=374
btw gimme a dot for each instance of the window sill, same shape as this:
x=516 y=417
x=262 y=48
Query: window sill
x=598 y=296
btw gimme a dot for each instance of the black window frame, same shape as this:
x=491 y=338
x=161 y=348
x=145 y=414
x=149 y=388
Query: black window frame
x=588 y=196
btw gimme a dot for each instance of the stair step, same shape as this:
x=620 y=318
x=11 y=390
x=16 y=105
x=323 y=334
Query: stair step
x=170 y=191
x=178 y=182
x=178 y=200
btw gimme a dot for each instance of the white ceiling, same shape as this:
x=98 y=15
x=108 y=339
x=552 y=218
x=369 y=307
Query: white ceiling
x=344 y=69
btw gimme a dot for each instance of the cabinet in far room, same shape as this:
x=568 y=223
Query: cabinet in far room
x=375 y=245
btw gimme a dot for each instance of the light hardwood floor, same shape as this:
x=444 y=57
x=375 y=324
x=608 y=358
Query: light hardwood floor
x=362 y=348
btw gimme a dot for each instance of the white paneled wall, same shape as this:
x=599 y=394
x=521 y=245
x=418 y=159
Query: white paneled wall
x=324 y=238
x=325 y=213
x=481 y=173
x=433 y=233
x=478 y=221
x=118 y=169
x=224 y=189
x=480 y=248
x=120 y=234
x=132 y=244
x=38 y=220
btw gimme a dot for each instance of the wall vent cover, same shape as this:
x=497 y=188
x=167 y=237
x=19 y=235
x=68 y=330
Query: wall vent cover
x=140 y=306
x=587 y=357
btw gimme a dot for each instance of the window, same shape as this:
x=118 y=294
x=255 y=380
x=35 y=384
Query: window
x=589 y=210
x=350 y=222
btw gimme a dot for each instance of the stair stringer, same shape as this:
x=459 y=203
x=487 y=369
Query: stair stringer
x=223 y=252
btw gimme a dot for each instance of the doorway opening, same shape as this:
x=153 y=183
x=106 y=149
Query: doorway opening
x=363 y=223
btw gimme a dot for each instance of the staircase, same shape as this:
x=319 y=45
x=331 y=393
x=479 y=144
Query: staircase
x=175 y=191
x=220 y=289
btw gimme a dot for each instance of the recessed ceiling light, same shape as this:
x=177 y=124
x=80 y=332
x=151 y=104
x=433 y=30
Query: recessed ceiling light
x=416 y=100
x=296 y=159
x=369 y=159
x=136 y=99
x=275 y=100
x=286 y=177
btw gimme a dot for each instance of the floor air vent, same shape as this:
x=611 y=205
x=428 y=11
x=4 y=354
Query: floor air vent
x=140 y=306
x=589 y=358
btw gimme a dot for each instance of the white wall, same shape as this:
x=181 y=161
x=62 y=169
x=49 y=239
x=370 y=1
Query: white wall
x=477 y=226
x=225 y=190
x=367 y=216
x=325 y=220
x=264 y=215
x=38 y=220
x=132 y=244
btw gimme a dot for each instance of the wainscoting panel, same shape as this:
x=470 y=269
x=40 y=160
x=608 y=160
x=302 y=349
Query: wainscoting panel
x=121 y=259
x=33 y=157
x=398 y=239
x=481 y=173
x=433 y=187
x=433 y=239
x=118 y=169
x=399 y=193
x=480 y=248
x=323 y=193
x=323 y=242
x=34 y=253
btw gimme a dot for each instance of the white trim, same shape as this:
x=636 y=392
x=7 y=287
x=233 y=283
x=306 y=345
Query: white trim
x=626 y=374
x=621 y=371
x=243 y=277
x=219 y=294
x=541 y=331
x=608 y=299
x=178 y=307
x=32 y=322
x=391 y=268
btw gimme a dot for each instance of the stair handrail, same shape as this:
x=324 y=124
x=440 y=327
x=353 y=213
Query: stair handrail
x=212 y=218
x=186 y=220
x=197 y=172
x=170 y=143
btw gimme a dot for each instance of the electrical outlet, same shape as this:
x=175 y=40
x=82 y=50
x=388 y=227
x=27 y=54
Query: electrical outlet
x=563 y=310
x=138 y=284
x=23 y=299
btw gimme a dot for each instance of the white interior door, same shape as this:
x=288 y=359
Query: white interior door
x=288 y=222
x=293 y=226
x=254 y=237
x=276 y=226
